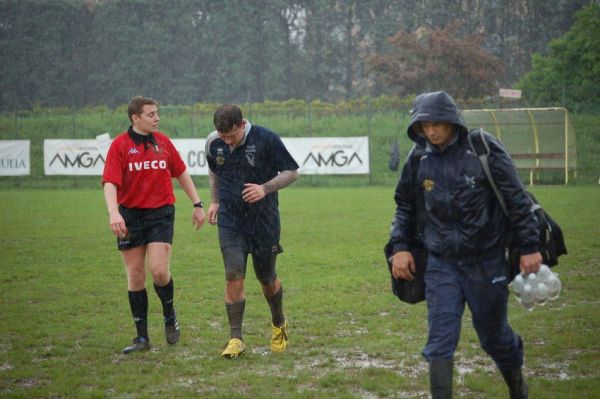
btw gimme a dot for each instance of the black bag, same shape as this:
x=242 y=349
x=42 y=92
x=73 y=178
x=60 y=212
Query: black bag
x=552 y=242
x=412 y=291
x=409 y=291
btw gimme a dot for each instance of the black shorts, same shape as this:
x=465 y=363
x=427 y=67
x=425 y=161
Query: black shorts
x=235 y=248
x=147 y=225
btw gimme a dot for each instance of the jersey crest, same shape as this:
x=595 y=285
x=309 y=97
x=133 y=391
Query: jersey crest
x=428 y=184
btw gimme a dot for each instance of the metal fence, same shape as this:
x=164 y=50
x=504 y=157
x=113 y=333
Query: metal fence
x=384 y=124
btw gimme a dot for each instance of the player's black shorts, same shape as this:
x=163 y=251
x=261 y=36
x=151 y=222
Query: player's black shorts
x=147 y=225
x=235 y=248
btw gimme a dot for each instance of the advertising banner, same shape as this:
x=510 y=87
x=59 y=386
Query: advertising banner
x=315 y=155
x=330 y=155
x=192 y=153
x=14 y=158
x=75 y=157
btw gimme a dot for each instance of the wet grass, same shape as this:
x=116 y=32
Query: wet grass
x=65 y=315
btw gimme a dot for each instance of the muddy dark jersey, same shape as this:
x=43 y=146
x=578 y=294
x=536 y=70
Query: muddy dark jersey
x=257 y=160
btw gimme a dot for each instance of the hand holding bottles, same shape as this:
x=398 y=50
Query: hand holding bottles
x=536 y=288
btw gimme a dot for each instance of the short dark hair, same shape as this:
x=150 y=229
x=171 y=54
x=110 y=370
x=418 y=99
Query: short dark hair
x=136 y=105
x=226 y=117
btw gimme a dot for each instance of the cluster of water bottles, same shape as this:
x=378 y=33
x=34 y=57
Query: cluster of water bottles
x=536 y=288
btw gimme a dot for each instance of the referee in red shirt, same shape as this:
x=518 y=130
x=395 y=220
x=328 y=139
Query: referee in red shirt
x=139 y=196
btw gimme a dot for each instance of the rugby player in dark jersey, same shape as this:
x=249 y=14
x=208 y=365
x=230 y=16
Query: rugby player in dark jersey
x=248 y=164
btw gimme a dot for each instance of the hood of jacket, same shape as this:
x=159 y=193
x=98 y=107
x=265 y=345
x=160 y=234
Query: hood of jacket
x=436 y=106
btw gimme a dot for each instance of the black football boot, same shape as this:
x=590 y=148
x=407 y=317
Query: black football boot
x=140 y=344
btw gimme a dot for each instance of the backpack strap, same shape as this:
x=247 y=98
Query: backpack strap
x=483 y=158
x=420 y=213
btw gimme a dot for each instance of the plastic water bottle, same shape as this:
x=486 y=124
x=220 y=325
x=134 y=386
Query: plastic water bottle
x=527 y=298
x=531 y=278
x=544 y=273
x=540 y=293
x=517 y=286
x=536 y=288
x=554 y=287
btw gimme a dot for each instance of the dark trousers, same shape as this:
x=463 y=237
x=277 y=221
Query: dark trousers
x=483 y=285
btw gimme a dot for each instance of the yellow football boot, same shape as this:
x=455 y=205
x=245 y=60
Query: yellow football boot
x=279 y=338
x=234 y=348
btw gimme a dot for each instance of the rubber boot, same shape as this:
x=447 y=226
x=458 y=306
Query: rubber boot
x=516 y=383
x=440 y=378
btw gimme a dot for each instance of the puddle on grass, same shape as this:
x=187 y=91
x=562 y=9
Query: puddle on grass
x=5 y=347
x=186 y=382
x=261 y=350
x=361 y=393
x=206 y=389
x=6 y=366
x=348 y=333
x=469 y=364
x=402 y=363
x=216 y=325
x=547 y=371
x=551 y=371
x=363 y=361
x=29 y=383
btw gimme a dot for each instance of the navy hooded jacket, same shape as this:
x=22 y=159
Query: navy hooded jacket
x=463 y=216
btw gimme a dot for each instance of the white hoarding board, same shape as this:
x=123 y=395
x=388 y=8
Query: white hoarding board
x=14 y=158
x=192 y=153
x=74 y=157
x=315 y=155
x=330 y=155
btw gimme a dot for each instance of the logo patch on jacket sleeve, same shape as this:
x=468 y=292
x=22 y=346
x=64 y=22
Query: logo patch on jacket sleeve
x=470 y=181
x=428 y=184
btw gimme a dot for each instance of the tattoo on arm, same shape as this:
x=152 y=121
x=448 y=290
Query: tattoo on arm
x=283 y=179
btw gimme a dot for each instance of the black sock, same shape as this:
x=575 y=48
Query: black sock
x=138 y=301
x=165 y=294
x=276 y=305
x=235 y=315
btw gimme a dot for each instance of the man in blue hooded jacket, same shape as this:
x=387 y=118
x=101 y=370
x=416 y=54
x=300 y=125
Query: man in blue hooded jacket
x=464 y=232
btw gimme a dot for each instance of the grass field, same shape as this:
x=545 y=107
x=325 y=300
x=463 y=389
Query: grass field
x=65 y=315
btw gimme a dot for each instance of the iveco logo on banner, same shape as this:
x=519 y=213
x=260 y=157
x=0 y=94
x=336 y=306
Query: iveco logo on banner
x=74 y=157
x=330 y=155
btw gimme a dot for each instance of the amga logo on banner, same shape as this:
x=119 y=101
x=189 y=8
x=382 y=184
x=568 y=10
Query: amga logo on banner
x=74 y=157
x=330 y=155
x=336 y=157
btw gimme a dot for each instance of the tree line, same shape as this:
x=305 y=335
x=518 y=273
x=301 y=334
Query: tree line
x=78 y=53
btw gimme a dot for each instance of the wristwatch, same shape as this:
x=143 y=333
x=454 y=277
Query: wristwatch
x=199 y=204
